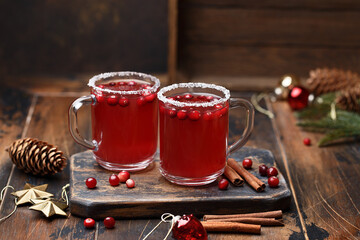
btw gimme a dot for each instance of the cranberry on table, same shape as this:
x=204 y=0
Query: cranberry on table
x=91 y=182
x=223 y=184
x=130 y=183
x=247 y=163
x=273 y=181
x=109 y=222
x=263 y=170
x=114 y=180
x=307 y=141
x=123 y=176
x=89 y=223
x=272 y=172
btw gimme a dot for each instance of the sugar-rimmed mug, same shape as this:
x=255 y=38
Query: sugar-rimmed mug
x=194 y=127
x=124 y=119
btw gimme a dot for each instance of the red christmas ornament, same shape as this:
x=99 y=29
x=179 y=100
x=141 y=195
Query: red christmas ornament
x=298 y=98
x=189 y=227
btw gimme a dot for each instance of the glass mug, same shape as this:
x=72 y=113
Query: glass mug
x=124 y=119
x=194 y=127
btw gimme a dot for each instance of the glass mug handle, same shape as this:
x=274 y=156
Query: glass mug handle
x=239 y=102
x=73 y=121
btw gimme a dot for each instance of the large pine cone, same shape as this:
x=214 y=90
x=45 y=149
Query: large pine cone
x=324 y=80
x=36 y=157
x=349 y=99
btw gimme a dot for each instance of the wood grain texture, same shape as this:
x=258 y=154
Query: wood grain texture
x=153 y=195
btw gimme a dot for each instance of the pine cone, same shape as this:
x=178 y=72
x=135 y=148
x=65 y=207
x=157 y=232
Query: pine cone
x=349 y=99
x=36 y=157
x=324 y=80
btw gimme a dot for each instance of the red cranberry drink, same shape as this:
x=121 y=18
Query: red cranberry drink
x=124 y=114
x=194 y=127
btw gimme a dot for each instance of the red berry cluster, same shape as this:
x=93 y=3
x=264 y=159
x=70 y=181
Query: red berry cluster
x=271 y=173
x=114 y=180
x=109 y=222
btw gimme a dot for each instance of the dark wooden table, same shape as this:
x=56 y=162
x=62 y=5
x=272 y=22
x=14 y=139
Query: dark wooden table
x=324 y=181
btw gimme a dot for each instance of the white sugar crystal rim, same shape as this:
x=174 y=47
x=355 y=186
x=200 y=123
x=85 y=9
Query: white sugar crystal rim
x=102 y=76
x=164 y=99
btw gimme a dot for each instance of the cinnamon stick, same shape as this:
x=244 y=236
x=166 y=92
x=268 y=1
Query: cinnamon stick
x=270 y=214
x=252 y=220
x=233 y=176
x=253 y=181
x=231 y=227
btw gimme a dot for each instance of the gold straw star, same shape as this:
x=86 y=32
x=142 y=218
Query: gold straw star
x=49 y=207
x=31 y=192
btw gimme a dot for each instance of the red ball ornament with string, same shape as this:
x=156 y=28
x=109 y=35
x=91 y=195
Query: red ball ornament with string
x=189 y=227
x=298 y=98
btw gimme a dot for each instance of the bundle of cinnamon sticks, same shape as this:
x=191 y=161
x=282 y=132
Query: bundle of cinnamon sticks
x=242 y=223
x=236 y=174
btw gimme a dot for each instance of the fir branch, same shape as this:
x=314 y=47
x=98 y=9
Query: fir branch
x=338 y=135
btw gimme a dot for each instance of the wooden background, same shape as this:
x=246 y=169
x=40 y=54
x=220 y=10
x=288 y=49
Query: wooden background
x=66 y=37
x=233 y=39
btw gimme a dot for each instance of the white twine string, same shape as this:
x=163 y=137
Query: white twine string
x=64 y=195
x=2 y=197
x=164 y=218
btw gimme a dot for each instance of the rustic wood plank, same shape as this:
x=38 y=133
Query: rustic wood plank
x=269 y=27
x=216 y=60
x=49 y=123
x=324 y=180
x=337 y=5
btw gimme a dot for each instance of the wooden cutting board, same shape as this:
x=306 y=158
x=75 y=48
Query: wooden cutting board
x=153 y=195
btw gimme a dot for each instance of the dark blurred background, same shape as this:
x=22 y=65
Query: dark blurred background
x=77 y=36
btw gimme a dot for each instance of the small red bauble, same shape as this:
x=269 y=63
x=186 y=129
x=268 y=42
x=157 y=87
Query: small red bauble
x=89 y=223
x=189 y=227
x=109 y=222
x=223 y=184
x=130 y=183
x=181 y=114
x=114 y=180
x=273 y=181
x=123 y=176
x=247 y=163
x=307 y=141
x=272 y=172
x=194 y=115
x=112 y=100
x=298 y=98
x=263 y=169
x=91 y=182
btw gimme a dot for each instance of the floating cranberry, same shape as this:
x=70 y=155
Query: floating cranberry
x=223 y=111
x=124 y=101
x=150 y=97
x=109 y=222
x=194 y=115
x=101 y=86
x=188 y=96
x=272 y=172
x=262 y=169
x=112 y=84
x=114 y=180
x=273 y=181
x=223 y=184
x=207 y=115
x=209 y=98
x=112 y=100
x=307 y=141
x=218 y=106
x=131 y=83
x=181 y=114
x=123 y=176
x=162 y=109
x=172 y=112
x=91 y=182
x=99 y=98
x=247 y=163
x=140 y=101
x=89 y=223
x=122 y=83
x=178 y=97
x=130 y=183
x=171 y=98
x=147 y=87
x=201 y=97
